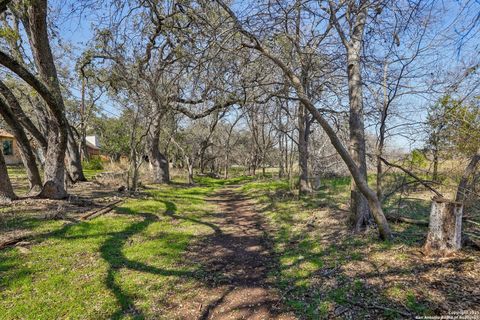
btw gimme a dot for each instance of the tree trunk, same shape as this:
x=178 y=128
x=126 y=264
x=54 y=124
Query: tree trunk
x=75 y=169
x=21 y=117
x=190 y=172
x=304 y=186
x=158 y=161
x=445 y=227
x=28 y=157
x=463 y=184
x=361 y=182
x=54 y=185
x=281 y=170
x=435 y=164
x=227 y=159
x=360 y=215
x=6 y=190
x=54 y=174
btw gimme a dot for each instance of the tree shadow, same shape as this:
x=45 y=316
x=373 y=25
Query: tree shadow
x=326 y=272
x=111 y=252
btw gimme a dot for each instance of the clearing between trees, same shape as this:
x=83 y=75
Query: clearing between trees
x=240 y=248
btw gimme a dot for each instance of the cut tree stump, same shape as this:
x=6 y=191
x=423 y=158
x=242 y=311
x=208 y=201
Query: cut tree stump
x=445 y=227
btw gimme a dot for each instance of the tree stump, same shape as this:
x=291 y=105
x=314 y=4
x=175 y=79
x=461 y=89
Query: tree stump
x=445 y=227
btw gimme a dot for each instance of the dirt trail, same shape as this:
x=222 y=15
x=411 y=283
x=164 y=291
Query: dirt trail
x=237 y=259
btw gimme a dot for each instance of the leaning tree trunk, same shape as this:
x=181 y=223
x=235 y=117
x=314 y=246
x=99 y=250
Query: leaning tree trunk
x=6 y=190
x=24 y=121
x=375 y=205
x=445 y=227
x=28 y=157
x=360 y=215
x=158 y=161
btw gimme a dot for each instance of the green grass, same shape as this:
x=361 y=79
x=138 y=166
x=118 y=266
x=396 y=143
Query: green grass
x=313 y=259
x=91 y=173
x=116 y=266
x=131 y=265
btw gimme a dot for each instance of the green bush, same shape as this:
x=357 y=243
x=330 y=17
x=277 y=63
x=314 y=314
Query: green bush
x=419 y=159
x=93 y=164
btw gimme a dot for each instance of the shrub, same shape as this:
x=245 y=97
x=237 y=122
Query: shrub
x=93 y=164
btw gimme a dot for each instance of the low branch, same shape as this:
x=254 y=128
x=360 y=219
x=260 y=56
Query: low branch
x=411 y=174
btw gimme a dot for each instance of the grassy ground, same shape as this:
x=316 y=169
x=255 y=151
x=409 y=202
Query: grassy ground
x=130 y=264
x=122 y=265
x=325 y=271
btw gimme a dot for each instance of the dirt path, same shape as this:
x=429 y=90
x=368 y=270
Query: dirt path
x=236 y=259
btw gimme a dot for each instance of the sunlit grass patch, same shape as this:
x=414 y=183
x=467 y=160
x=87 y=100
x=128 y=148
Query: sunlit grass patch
x=115 y=266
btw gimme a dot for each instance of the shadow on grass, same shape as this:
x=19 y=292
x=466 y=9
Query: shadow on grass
x=326 y=272
x=171 y=209
x=111 y=252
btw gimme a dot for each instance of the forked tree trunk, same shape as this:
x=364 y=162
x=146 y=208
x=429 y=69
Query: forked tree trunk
x=6 y=190
x=445 y=227
x=361 y=182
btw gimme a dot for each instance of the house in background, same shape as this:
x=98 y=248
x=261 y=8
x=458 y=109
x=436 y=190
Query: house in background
x=93 y=146
x=9 y=146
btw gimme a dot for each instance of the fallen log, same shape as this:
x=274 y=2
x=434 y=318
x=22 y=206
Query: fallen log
x=407 y=220
x=12 y=242
x=88 y=216
x=472 y=222
x=100 y=211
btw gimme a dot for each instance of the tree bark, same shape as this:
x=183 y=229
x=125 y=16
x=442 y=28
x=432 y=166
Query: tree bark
x=303 y=131
x=358 y=203
x=36 y=25
x=445 y=227
x=6 y=190
x=435 y=163
x=463 y=184
x=190 y=171
x=75 y=169
x=28 y=157
x=158 y=161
